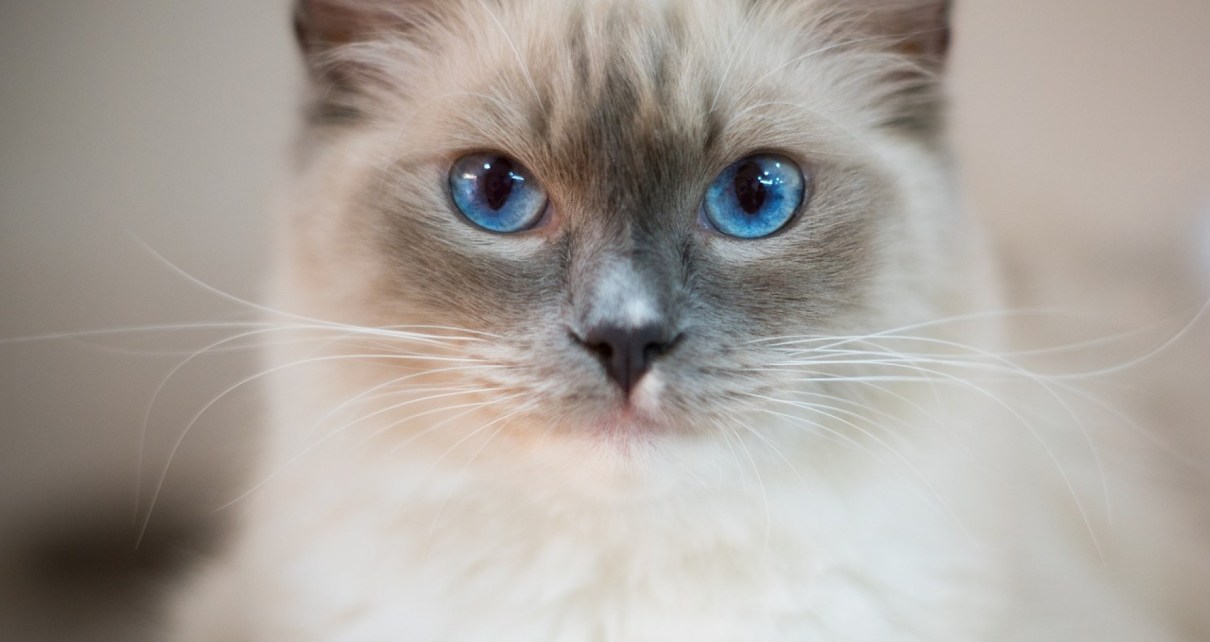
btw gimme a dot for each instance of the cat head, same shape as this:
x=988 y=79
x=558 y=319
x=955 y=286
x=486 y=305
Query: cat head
x=624 y=206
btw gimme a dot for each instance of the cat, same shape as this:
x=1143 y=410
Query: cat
x=655 y=320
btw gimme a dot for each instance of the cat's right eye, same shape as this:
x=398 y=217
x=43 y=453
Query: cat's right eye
x=497 y=194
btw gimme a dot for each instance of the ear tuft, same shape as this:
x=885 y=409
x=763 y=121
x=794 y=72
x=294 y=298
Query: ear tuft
x=321 y=25
x=917 y=34
x=918 y=29
x=338 y=39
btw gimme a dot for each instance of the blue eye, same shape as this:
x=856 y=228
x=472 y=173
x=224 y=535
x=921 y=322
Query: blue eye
x=755 y=197
x=497 y=193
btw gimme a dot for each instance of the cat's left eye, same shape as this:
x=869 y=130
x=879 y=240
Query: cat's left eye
x=497 y=193
x=756 y=197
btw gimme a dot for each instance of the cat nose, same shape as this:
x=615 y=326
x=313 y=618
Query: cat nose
x=627 y=352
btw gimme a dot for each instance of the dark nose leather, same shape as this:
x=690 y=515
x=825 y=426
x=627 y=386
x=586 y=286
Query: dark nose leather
x=628 y=352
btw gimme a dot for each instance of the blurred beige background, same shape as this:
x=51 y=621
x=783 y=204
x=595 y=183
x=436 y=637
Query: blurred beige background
x=1083 y=127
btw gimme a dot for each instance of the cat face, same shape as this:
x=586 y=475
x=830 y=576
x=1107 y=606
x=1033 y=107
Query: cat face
x=625 y=204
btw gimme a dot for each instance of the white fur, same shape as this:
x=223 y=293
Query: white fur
x=554 y=544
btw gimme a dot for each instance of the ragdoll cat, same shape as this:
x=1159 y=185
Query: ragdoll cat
x=652 y=320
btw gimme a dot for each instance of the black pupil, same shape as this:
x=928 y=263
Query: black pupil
x=498 y=183
x=749 y=188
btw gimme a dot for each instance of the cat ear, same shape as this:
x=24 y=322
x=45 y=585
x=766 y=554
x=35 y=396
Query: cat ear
x=321 y=25
x=343 y=42
x=917 y=34
x=918 y=29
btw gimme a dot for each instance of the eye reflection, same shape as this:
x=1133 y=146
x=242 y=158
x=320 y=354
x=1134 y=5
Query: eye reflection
x=756 y=197
x=496 y=193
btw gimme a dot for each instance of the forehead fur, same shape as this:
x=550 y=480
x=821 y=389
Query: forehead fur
x=536 y=61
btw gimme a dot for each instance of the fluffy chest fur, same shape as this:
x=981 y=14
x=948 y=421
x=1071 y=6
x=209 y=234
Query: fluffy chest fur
x=750 y=550
x=359 y=544
x=737 y=541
